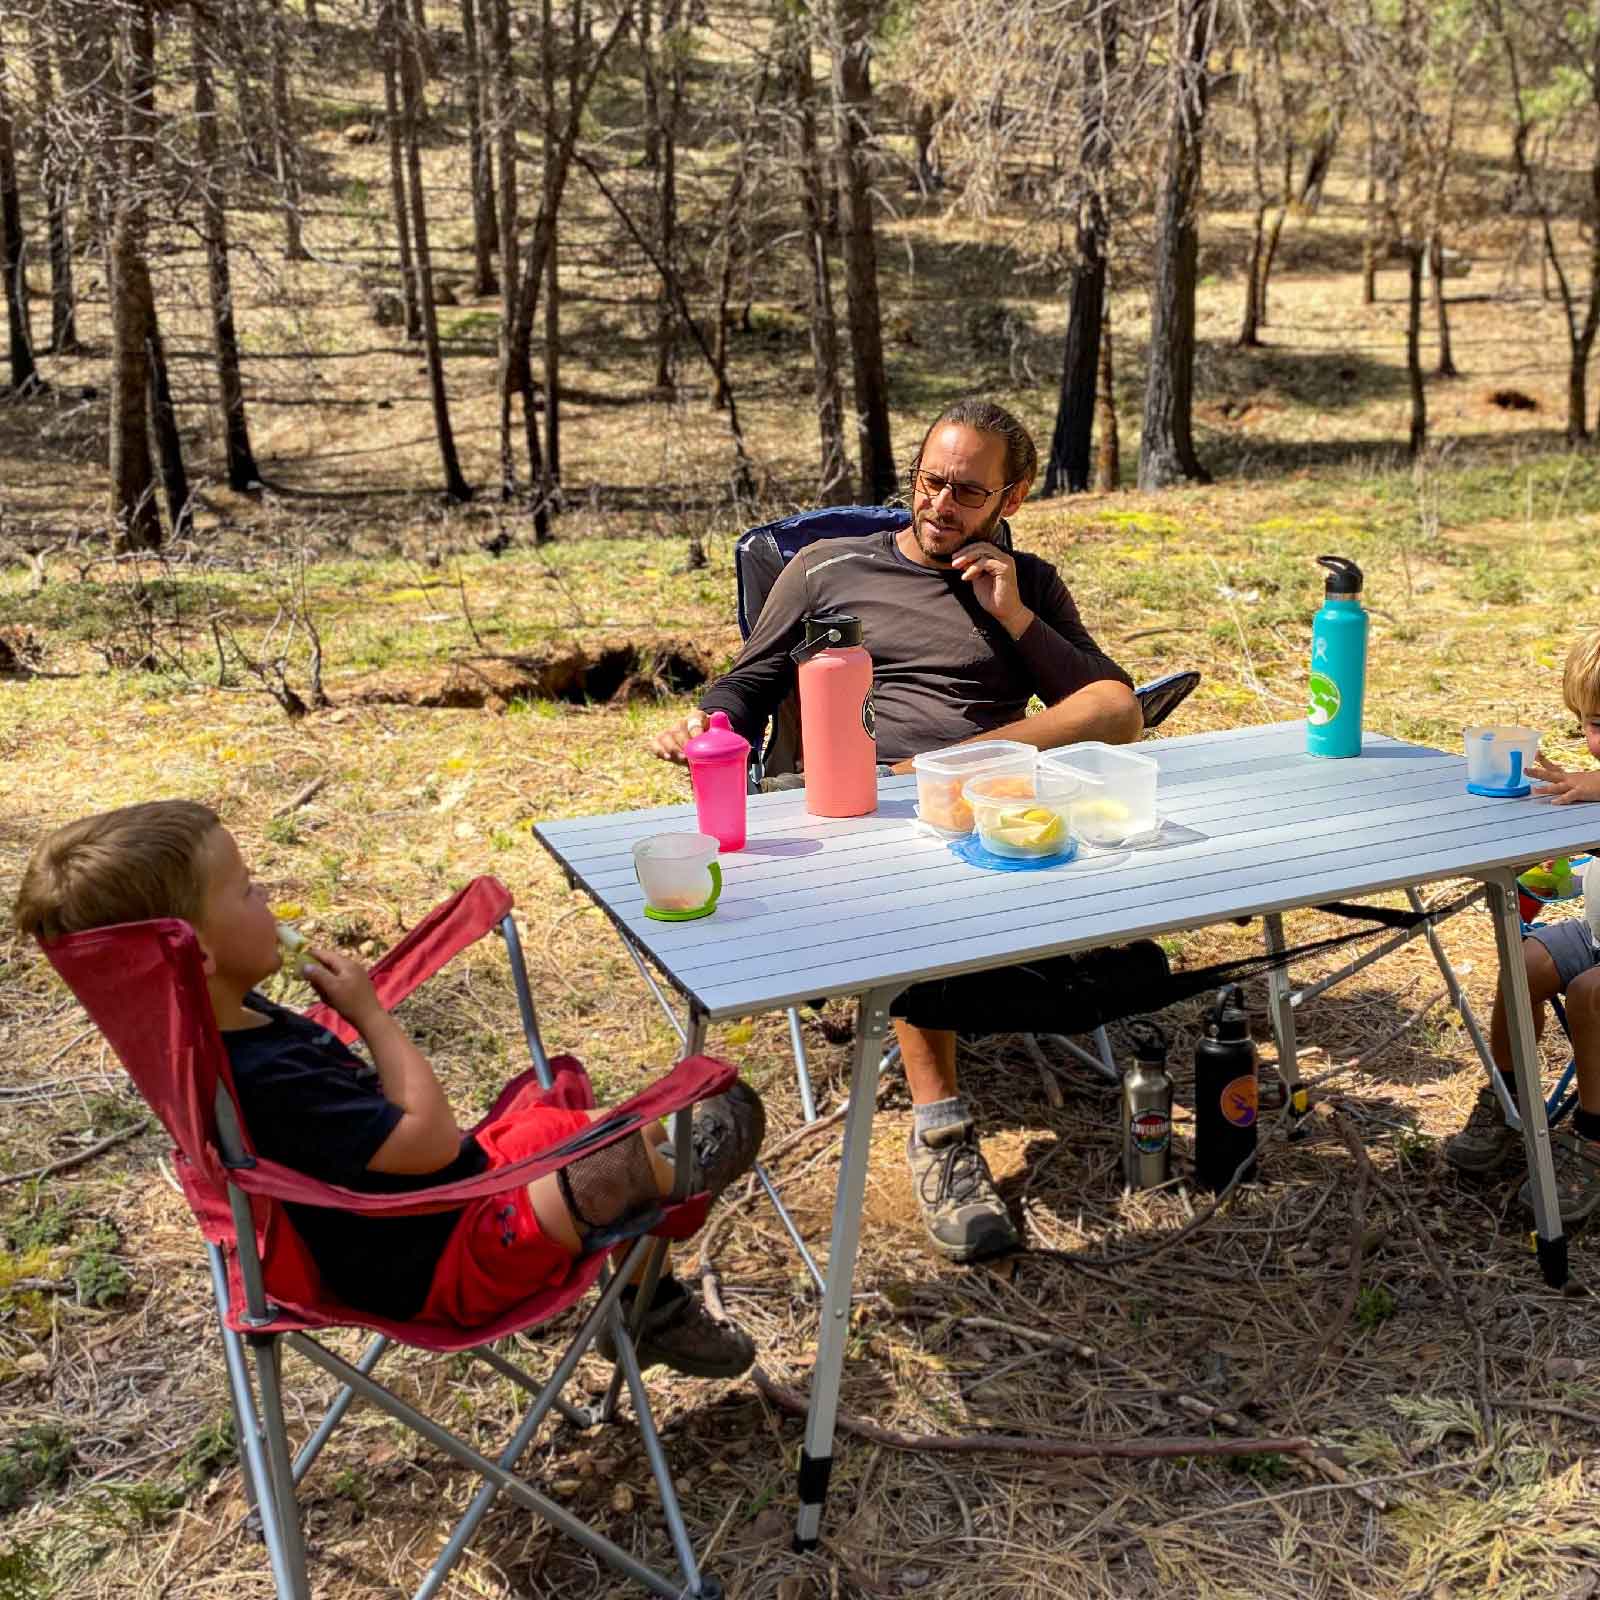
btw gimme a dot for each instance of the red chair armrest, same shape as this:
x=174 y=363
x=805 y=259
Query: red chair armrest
x=446 y=931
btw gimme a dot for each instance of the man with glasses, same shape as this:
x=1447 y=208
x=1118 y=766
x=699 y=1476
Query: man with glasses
x=963 y=633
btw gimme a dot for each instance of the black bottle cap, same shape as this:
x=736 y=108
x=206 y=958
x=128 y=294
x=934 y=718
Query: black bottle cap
x=1229 y=1022
x=1344 y=576
x=1149 y=1042
x=833 y=628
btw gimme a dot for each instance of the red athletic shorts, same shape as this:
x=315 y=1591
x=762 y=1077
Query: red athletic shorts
x=498 y=1254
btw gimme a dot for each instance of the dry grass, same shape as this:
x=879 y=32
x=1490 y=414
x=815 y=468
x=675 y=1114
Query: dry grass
x=1454 y=1397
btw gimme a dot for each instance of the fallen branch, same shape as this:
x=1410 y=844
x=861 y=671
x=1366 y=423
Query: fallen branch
x=301 y=796
x=793 y=1401
x=68 y=1162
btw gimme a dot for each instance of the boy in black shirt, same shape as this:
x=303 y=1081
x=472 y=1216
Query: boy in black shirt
x=311 y=1104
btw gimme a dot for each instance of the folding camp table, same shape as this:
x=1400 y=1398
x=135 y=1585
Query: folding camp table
x=865 y=906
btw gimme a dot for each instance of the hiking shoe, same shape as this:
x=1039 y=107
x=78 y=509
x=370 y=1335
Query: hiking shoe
x=1485 y=1143
x=727 y=1133
x=1577 y=1164
x=680 y=1333
x=962 y=1210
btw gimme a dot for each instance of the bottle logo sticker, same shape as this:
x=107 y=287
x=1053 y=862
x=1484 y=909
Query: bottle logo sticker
x=1324 y=702
x=1152 y=1132
x=1238 y=1101
x=869 y=718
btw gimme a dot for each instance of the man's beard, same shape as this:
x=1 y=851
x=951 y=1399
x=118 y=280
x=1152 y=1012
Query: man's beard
x=979 y=536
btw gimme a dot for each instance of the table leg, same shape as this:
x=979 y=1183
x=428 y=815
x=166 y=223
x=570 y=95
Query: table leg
x=1550 y=1241
x=816 y=1455
x=1279 y=998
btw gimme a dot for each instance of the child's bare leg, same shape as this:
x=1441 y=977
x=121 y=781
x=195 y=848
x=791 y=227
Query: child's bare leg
x=1544 y=983
x=1583 y=1018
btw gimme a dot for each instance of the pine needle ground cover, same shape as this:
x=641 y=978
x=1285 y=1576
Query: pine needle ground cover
x=1388 y=1400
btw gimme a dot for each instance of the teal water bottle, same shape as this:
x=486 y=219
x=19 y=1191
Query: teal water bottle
x=1338 y=664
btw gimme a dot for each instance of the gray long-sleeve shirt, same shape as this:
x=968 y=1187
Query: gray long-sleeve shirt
x=942 y=668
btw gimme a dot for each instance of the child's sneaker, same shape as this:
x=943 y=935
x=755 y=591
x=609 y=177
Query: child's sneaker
x=1577 y=1164
x=680 y=1333
x=1485 y=1143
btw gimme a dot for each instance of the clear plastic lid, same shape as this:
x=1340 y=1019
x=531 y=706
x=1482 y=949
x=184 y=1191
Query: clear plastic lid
x=967 y=760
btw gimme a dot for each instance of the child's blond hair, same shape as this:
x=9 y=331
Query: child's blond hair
x=128 y=865
x=1580 y=682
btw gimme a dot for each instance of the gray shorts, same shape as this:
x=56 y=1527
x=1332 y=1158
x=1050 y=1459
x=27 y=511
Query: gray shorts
x=1571 y=946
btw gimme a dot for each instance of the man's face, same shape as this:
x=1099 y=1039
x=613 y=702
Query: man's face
x=959 y=455
x=237 y=928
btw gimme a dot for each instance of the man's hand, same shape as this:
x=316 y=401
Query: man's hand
x=344 y=984
x=1560 y=786
x=993 y=576
x=669 y=743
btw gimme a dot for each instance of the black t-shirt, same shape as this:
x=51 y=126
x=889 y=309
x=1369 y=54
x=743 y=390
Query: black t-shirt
x=311 y=1104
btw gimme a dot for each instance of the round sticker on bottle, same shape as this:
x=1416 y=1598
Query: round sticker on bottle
x=1324 y=700
x=869 y=718
x=1239 y=1100
x=1152 y=1132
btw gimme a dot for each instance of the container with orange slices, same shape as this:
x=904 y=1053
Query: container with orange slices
x=942 y=775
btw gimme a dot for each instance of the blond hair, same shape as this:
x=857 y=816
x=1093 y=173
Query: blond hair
x=1580 y=681
x=127 y=865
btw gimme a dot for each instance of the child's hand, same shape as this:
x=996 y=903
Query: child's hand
x=344 y=984
x=1544 y=769
x=1566 y=788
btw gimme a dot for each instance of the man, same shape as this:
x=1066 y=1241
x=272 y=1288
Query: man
x=962 y=634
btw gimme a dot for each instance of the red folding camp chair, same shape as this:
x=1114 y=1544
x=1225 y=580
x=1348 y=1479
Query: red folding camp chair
x=144 y=986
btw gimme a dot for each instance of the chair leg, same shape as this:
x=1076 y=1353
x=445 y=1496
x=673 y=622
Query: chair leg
x=286 y=1556
x=268 y=1352
x=797 y=1045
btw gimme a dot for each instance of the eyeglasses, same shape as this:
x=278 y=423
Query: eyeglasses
x=970 y=495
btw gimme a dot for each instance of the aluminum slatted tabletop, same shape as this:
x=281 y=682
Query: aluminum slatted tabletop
x=815 y=907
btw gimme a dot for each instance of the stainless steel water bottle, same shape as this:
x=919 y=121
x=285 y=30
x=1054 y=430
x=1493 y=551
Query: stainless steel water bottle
x=1146 y=1110
x=1226 y=1095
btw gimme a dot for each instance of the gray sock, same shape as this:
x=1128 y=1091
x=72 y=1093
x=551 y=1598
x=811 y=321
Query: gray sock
x=937 y=1116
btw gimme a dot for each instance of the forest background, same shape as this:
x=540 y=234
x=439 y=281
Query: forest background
x=387 y=384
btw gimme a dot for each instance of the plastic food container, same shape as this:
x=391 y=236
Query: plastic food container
x=1498 y=759
x=942 y=773
x=1024 y=815
x=1117 y=801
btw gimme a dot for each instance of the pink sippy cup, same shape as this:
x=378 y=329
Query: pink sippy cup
x=719 y=766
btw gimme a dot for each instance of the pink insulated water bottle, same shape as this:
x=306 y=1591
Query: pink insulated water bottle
x=719 y=767
x=837 y=739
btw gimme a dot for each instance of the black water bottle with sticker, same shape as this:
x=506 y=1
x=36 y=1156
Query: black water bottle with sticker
x=1226 y=1095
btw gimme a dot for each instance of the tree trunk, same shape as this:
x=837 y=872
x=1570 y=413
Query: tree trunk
x=254 y=118
x=668 y=100
x=1269 y=255
x=1447 y=365
x=852 y=22
x=481 y=163
x=397 y=179
x=24 y=374
x=422 y=40
x=1108 y=464
x=552 y=376
x=136 y=518
x=516 y=371
x=54 y=178
x=169 y=445
x=285 y=155
x=1072 y=440
x=1250 y=327
x=409 y=67
x=834 y=488
x=242 y=470
x=503 y=91
x=1166 y=448
x=1369 y=240
x=1419 y=399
